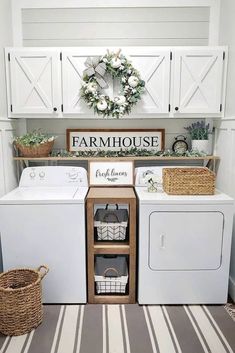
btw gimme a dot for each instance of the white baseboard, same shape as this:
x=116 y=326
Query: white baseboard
x=231 y=288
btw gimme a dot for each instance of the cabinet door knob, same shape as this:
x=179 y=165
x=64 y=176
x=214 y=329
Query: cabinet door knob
x=176 y=108
x=55 y=109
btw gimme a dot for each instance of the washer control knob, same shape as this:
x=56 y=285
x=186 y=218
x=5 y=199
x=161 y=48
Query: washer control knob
x=32 y=175
x=42 y=175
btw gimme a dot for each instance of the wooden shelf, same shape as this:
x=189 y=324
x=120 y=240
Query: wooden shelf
x=111 y=299
x=139 y=158
x=112 y=249
x=110 y=195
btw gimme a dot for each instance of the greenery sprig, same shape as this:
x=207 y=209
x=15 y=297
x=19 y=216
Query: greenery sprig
x=33 y=138
x=132 y=152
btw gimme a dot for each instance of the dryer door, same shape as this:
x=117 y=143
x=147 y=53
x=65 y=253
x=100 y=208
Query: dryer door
x=185 y=240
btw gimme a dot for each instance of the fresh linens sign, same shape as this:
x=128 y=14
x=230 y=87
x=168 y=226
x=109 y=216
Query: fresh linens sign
x=111 y=173
x=114 y=140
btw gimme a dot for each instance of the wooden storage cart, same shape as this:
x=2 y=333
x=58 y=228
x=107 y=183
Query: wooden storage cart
x=111 y=195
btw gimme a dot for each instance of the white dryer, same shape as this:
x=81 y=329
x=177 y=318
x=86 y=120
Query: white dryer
x=184 y=246
x=43 y=222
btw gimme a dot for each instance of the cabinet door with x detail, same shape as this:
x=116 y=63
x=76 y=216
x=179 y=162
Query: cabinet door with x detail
x=198 y=80
x=34 y=81
x=153 y=63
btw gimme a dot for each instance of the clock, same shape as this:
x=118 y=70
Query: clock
x=180 y=145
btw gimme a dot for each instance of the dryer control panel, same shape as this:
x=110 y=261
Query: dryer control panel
x=53 y=176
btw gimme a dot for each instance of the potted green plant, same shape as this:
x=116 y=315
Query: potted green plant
x=199 y=133
x=34 y=144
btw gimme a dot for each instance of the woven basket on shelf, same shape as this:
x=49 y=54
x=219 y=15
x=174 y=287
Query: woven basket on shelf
x=40 y=150
x=188 y=181
x=21 y=307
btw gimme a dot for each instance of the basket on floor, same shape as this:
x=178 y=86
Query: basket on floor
x=188 y=181
x=21 y=307
x=40 y=150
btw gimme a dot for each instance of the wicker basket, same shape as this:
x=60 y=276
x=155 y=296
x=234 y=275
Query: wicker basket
x=188 y=181
x=40 y=150
x=21 y=307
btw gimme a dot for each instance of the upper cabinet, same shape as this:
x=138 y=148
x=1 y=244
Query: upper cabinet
x=198 y=81
x=152 y=63
x=73 y=65
x=44 y=82
x=154 y=66
x=34 y=81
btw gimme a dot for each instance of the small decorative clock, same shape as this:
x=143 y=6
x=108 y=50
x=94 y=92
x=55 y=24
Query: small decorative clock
x=180 y=145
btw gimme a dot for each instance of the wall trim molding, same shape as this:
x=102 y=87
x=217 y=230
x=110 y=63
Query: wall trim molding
x=230 y=118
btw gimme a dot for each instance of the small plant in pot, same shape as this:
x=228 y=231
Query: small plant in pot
x=34 y=144
x=199 y=133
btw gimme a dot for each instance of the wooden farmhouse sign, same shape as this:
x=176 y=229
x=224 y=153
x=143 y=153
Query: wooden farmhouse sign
x=114 y=140
x=110 y=173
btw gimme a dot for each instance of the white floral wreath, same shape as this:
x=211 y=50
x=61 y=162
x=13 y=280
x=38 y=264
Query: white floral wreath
x=117 y=65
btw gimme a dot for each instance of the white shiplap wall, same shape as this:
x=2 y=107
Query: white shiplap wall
x=173 y=127
x=225 y=147
x=116 y=26
x=225 y=128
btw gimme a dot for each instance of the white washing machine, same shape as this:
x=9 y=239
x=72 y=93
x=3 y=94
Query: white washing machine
x=184 y=246
x=43 y=222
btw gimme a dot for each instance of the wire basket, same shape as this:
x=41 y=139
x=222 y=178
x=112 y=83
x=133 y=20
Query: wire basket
x=188 y=181
x=21 y=307
x=111 y=274
x=40 y=150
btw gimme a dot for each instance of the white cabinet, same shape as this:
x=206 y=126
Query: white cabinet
x=34 y=84
x=198 y=81
x=73 y=65
x=154 y=67
x=152 y=63
x=44 y=82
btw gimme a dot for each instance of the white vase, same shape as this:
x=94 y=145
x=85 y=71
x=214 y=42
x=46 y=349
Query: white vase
x=201 y=146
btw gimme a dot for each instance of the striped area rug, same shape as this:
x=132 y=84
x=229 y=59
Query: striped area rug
x=128 y=329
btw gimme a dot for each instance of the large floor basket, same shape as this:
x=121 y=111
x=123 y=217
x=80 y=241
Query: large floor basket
x=21 y=307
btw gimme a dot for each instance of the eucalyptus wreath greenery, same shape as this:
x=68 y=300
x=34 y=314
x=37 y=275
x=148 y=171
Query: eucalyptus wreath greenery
x=199 y=130
x=132 y=87
x=33 y=138
x=130 y=152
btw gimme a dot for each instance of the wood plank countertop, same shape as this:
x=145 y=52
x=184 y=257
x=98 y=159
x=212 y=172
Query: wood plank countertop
x=109 y=193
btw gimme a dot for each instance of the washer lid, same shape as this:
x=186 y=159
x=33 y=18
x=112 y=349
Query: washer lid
x=45 y=195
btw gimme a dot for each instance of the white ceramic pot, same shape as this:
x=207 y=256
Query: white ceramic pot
x=200 y=146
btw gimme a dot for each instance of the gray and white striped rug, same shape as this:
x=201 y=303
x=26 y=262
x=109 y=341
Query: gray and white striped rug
x=128 y=329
